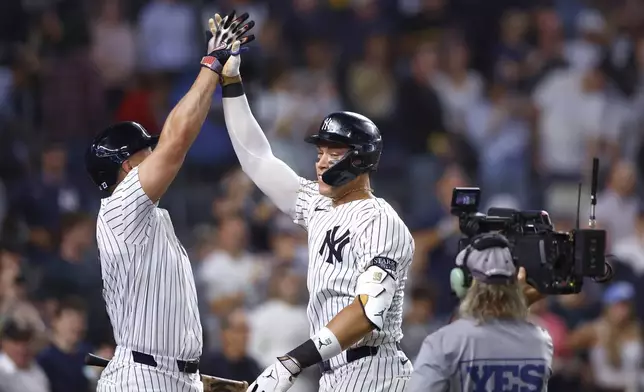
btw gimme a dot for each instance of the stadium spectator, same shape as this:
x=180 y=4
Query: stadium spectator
x=630 y=249
x=618 y=204
x=229 y=275
x=420 y=319
x=173 y=47
x=371 y=87
x=585 y=50
x=75 y=272
x=497 y=128
x=233 y=361
x=279 y=322
x=574 y=309
x=19 y=372
x=563 y=358
x=72 y=96
x=562 y=155
x=288 y=246
x=285 y=112
x=146 y=102
x=231 y=272
x=63 y=361
x=420 y=119
x=43 y=198
x=72 y=272
x=436 y=239
x=613 y=341
x=547 y=55
x=14 y=294
x=512 y=50
x=113 y=51
x=459 y=87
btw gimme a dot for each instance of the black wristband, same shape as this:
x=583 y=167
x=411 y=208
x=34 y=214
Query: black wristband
x=232 y=90
x=306 y=354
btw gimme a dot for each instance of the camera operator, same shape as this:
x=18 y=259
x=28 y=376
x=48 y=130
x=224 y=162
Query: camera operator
x=492 y=346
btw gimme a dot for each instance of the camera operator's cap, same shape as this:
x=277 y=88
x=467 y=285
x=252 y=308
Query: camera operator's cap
x=489 y=259
x=618 y=292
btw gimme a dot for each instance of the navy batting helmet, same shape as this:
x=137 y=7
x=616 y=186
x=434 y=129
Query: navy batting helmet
x=358 y=133
x=111 y=148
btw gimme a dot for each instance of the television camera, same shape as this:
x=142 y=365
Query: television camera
x=555 y=262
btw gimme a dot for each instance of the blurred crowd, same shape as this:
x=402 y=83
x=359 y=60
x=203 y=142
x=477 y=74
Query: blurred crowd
x=513 y=96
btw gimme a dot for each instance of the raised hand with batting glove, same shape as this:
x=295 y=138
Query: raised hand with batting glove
x=278 y=377
x=225 y=38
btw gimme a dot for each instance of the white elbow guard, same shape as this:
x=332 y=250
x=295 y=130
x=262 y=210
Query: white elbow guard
x=375 y=290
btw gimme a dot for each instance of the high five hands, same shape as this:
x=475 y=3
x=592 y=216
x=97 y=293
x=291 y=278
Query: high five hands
x=226 y=36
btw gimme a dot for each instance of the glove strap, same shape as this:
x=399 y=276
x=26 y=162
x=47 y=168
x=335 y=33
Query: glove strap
x=212 y=63
x=228 y=80
x=291 y=364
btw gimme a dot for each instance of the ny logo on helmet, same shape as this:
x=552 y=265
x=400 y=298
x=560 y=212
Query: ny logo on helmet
x=325 y=125
x=334 y=244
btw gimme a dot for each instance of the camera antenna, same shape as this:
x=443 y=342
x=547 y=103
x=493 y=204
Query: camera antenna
x=578 y=205
x=593 y=193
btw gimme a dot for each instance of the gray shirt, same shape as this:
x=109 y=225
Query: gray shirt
x=496 y=356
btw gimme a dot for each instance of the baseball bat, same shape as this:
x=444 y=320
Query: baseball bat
x=95 y=360
x=210 y=383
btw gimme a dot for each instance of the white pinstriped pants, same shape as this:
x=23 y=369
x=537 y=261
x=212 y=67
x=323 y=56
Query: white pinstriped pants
x=124 y=375
x=387 y=371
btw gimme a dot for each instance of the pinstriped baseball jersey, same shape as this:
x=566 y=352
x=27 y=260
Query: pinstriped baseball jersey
x=148 y=283
x=384 y=372
x=343 y=242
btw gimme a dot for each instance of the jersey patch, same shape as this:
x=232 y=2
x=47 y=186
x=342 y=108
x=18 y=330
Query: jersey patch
x=387 y=264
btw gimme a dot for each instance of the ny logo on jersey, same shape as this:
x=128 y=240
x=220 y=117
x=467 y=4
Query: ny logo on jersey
x=335 y=245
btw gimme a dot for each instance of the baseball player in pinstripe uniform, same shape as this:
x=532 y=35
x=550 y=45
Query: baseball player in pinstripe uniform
x=492 y=346
x=359 y=249
x=148 y=284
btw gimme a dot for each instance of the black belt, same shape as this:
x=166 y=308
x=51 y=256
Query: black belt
x=353 y=354
x=147 y=359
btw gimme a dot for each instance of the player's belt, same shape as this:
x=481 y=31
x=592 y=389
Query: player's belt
x=353 y=354
x=147 y=359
